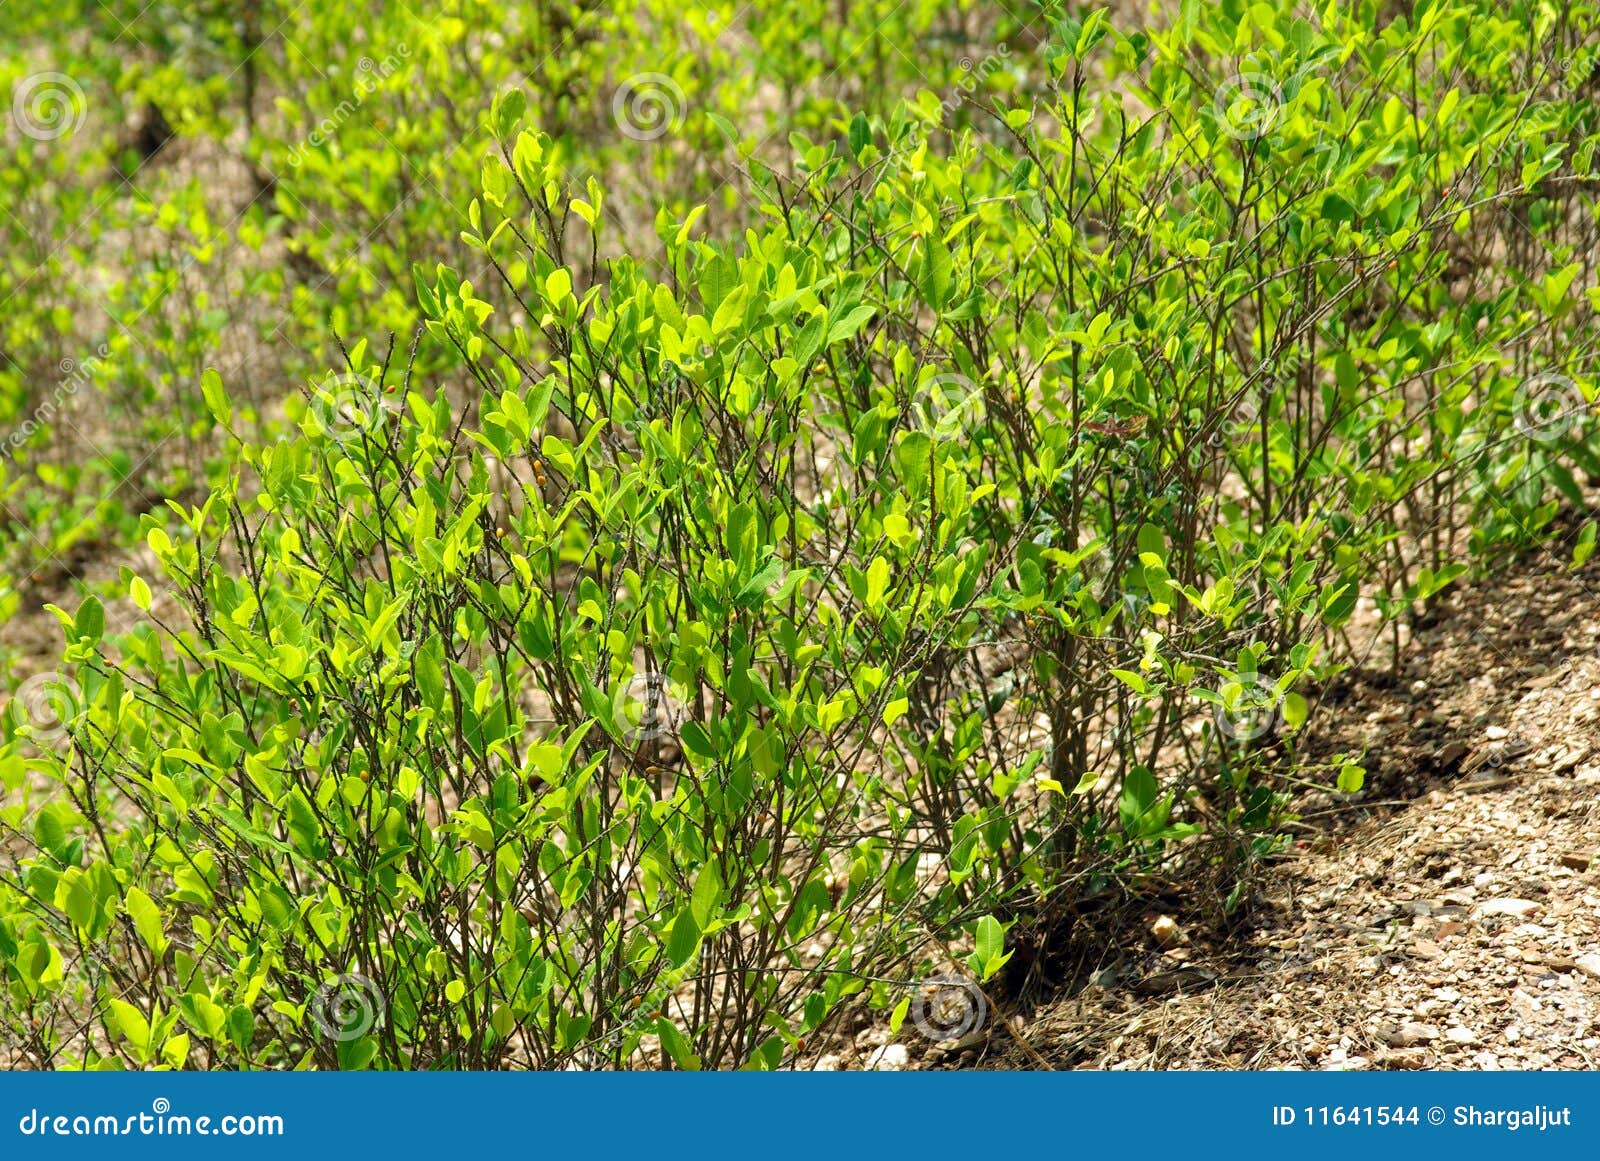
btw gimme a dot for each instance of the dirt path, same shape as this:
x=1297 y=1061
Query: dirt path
x=1447 y=919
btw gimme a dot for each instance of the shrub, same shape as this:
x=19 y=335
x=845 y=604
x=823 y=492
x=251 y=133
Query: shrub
x=789 y=614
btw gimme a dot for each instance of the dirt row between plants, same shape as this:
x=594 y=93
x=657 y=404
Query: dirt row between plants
x=1446 y=918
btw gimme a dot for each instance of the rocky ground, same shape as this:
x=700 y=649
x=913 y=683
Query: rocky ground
x=1447 y=918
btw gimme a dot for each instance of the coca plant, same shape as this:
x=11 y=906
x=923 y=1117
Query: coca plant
x=791 y=615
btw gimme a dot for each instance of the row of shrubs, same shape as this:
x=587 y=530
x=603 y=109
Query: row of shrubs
x=687 y=638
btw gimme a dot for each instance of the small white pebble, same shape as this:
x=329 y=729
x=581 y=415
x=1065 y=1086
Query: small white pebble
x=889 y=1058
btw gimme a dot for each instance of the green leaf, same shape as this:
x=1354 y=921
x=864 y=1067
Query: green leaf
x=754 y=590
x=146 y=917
x=990 y=953
x=672 y=1040
x=878 y=578
x=216 y=398
x=915 y=458
x=428 y=672
x=49 y=833
x=846 y=327
x=1133 y=680
x=75 y=895
x=741 y=538
x=90 y=623
x=129 y=1022
x=241 y=1027
x=707 y=899
x=696 y=740
x=1295 y=710
x=684 y=940
x=1139 y=794
x=1584 y=548
x=860 y=135
x=936 y=279
x=558 y=287
x=175 y=1051
x=508 y=110
x=810 y=338
x=276 y=905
